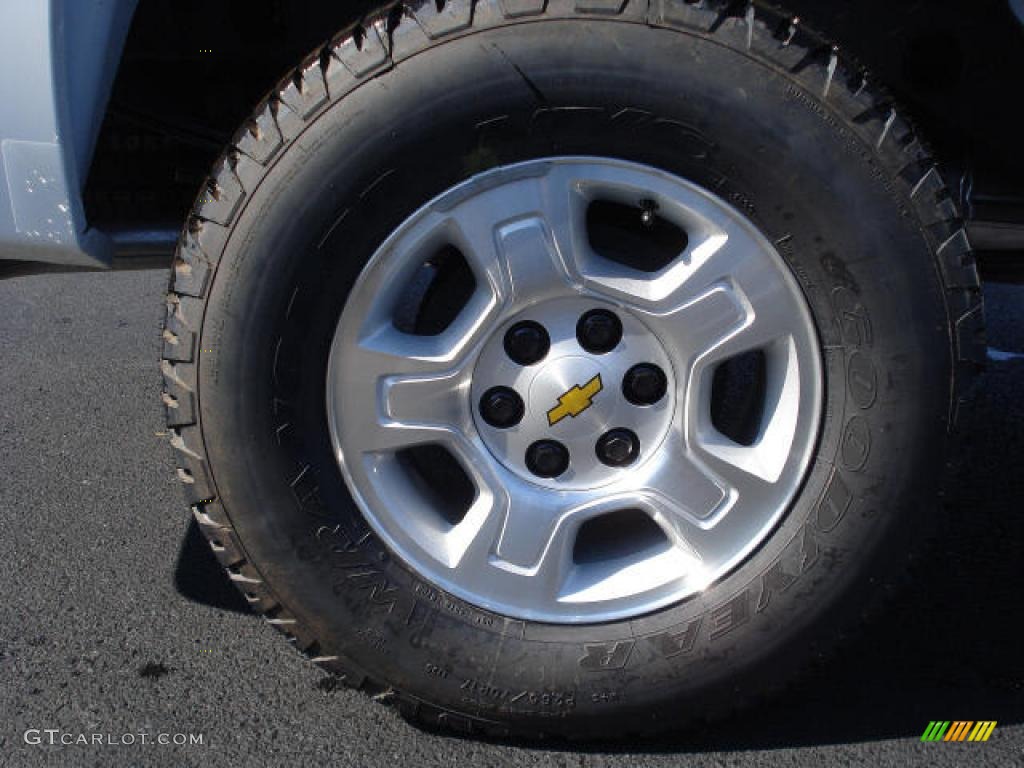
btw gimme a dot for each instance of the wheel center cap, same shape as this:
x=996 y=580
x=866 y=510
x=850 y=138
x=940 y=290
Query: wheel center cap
x=575 y=414
x=574 y=395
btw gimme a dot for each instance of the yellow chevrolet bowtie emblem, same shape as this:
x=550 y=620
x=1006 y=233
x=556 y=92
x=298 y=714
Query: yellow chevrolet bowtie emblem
x=575 y=401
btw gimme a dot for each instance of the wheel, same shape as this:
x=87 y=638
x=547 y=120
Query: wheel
x=569 y=368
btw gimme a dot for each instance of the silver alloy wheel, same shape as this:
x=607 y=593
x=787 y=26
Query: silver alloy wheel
x=522 y=231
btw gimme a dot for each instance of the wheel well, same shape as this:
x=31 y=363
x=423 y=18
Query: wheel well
x=191 y=73
x=192 y=70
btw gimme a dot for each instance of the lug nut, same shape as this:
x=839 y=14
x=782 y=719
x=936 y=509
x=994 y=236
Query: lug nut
x=618 y=447
x=527 y=342
x=502 y=407
x=547 y=458
x=644 y=384
x=599 y=331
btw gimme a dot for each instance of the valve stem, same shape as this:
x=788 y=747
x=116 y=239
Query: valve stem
x=648 y=208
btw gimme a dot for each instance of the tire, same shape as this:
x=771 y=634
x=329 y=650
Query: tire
x=396 y=111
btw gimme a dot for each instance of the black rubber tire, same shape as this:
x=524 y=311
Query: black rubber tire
x=397 y=110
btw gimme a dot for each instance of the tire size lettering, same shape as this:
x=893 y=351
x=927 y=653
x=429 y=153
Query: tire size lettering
x=372 y=638
x=440 y=601
x=434 y=670
x=551 y=700
x=477 y=692
x=484 y=691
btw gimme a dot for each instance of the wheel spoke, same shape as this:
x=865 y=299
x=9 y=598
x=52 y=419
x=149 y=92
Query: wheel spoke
x=418 y=410
x=738 y=468
x=664 y=290
x=510 y=533
x=702 y=324
x=470 y=543
x=719 y=286
x=720 y=255
x=517 y=237
x=691 y=489
x=766 y=320
x=785 y=409
x=717 y=326
x=435 y=400
x=399 y=391
x=527 y=529
x=715 y=245
x=392 y=353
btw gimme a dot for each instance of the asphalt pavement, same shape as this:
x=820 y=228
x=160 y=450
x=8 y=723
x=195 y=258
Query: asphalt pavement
x=119 y=623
